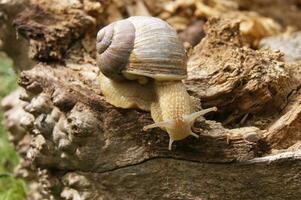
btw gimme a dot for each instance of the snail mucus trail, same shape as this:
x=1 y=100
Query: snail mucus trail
x=142 y=64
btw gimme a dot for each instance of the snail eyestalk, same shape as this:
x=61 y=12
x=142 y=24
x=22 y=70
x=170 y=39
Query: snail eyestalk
x=192 y=117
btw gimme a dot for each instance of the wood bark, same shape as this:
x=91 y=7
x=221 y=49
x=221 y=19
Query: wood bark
x=77 y=146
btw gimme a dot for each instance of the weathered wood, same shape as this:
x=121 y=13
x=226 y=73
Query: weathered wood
x=181 y=179
x=238 y=80
x=72 y=121
x=84 y=148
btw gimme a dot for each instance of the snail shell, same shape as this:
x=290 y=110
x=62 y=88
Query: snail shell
x=147 y=47
x=143 y=46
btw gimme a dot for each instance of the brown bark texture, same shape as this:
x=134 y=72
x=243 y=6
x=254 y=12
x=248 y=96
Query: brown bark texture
x=75 y=145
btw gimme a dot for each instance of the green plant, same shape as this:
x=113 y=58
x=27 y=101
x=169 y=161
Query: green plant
x=11 y=188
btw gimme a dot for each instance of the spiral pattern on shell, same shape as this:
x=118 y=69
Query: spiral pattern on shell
x=114 y=46
x=145 y=46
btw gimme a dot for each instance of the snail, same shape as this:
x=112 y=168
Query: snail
x=142 y=64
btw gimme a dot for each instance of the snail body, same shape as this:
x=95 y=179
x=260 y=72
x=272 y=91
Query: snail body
x=142 y=64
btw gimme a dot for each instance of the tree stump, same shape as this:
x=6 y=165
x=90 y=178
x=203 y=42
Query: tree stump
x=77 y=146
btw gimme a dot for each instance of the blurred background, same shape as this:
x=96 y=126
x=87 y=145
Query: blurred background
x=11 y=188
